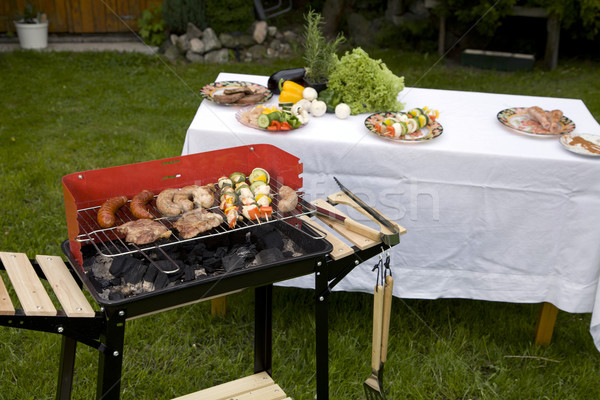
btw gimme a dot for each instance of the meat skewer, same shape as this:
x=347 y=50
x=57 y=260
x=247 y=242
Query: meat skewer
x=228 y=199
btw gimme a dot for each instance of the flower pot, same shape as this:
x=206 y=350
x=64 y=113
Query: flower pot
x=318 y=86
x=32 y=36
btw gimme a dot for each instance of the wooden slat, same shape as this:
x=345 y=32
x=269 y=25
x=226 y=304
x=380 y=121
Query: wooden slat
x=112 y=17
x=230 y=390
x=64 y=285
x=75 y=14
x=87 y=17
x=6 y=306
x=27 y=285
x=340 y=249
x=343 y=198
x=358 y=240
x=273 y=392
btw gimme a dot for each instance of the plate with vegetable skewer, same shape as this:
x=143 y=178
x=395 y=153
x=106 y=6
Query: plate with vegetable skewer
x=416 y=125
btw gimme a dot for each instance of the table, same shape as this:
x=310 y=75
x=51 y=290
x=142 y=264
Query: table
x=491 y=214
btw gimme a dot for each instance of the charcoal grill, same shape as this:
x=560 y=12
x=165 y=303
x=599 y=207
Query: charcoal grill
x=322 y=254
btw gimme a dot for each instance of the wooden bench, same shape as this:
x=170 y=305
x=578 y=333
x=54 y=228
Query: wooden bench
x=31 y=292
x=552 y=29
x=259 y=386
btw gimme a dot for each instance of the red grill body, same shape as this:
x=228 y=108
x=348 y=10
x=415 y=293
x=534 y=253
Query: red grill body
x=91 y=188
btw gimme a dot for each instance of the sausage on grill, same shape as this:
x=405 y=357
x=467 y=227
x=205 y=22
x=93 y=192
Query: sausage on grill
x=107 y=211
x=138 y=205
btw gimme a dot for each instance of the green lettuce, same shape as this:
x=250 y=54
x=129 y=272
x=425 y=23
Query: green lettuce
x=365 y=84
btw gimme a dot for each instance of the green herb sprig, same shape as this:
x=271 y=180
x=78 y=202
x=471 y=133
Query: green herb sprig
x=319 y=53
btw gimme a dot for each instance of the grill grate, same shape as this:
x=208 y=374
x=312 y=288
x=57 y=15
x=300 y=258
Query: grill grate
x=108 y=242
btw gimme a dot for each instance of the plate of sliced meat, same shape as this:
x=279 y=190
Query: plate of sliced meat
x=536 y=121
x=236 y=93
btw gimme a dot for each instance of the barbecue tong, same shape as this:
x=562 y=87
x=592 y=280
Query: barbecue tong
x=390 y=231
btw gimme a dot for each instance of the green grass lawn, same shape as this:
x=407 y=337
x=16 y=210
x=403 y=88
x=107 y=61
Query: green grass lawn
x=66 y=112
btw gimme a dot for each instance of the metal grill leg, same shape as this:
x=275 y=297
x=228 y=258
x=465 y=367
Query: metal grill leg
x=66 y=368
x=110 y=363
x=322 y=333
x=263 y=329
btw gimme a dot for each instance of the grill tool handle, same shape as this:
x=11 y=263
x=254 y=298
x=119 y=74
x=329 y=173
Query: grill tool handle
x=387 y=313
x=377 y=327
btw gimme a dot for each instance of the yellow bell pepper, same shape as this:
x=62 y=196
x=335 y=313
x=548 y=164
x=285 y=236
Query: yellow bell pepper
x=291 y=92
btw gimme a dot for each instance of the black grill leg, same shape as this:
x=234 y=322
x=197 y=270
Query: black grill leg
x=66 y=368
x=110 y=362
x=263 y=329
x=322 y=332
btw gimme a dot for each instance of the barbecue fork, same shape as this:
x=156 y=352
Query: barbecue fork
x=371 y=385
x=387 y=312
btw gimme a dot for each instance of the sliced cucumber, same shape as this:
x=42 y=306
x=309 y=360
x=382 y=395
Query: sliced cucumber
x=274 y=116
x=263 y=121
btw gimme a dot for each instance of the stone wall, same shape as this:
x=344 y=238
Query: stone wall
x=205 y=46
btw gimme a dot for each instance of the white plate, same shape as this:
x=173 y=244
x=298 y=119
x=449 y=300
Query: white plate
x=583 y=143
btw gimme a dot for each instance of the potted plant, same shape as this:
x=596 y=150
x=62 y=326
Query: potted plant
x=32 y=29
x=319 y=53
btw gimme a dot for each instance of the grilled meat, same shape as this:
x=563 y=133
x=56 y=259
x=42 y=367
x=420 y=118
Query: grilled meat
x=288 y=199
x=143 y=231
x=245 y=90
x=239 y=95
x=196 y=221
x=106 y=214
x=228 y=98
x=251 y=99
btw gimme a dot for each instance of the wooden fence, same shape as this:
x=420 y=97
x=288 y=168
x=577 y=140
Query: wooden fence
x=79 y=16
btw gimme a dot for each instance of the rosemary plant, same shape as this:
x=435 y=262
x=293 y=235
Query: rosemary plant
x=319 y=53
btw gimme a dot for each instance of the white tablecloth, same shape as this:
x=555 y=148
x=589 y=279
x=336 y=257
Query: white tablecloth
x=491 y=214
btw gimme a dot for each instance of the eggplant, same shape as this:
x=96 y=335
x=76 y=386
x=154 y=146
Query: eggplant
x=294 y=74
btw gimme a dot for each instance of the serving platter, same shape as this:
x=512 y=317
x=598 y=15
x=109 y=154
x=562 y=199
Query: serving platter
x=516 y=118
x=209 y=91
x=583 y=143
x=423 y=134
x=242 y=118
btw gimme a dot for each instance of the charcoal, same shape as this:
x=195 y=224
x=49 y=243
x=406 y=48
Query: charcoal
x=121 y=265
x=176 y=275
x=189 y=273
x=161 y=281
x=150 y=274
x=270 y=240
x=116 y=295
x=212 y=242
x=220 y=252
x=135 y=273
x=211 y=264
x=95 y=283
x=239 y=257
x=115 y=281
x=233 y=261
x=165 y=265
x=198 y=249
x=268 y=256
